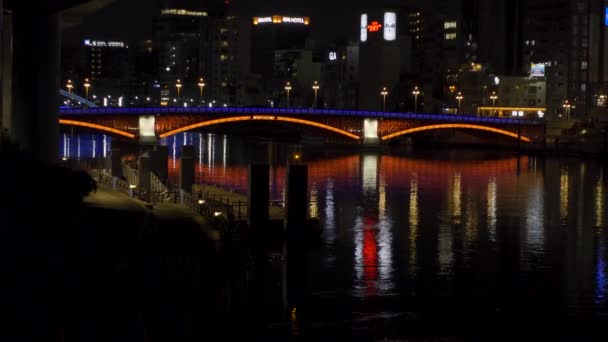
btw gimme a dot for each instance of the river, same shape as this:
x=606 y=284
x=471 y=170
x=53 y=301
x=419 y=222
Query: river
x=410 y=236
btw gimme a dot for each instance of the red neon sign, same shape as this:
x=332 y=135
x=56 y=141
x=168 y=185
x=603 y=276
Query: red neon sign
x=375 y=26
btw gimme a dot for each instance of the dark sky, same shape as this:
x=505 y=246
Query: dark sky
x=132 y=19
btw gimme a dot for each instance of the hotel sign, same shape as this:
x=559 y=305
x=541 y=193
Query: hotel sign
x=279 y=19
x=102 y=43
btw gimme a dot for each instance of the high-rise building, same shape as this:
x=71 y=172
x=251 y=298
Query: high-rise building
x=106 y=64
x=181 y=33
x=564 y=37
x=230 y=58
x=273 y=33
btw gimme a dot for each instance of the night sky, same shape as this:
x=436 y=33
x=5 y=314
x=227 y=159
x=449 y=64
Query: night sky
x=132 y=19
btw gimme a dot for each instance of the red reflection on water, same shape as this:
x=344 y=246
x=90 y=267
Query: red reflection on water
x=370 y=256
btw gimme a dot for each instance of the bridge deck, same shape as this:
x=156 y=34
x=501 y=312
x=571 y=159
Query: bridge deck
x=291 y=111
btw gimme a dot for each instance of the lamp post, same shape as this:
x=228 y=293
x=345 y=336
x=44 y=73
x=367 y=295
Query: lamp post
x=493 y=97
x=567 y=106
x=315 y=87
x=288 y=90
x=87 y=85
x=384 y=92
x=459 y=97
x=70 y=86
x=416 y=92
x=201 y=85
x=178 y=85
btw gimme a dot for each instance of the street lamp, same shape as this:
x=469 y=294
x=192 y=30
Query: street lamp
x=201 y=85
x=315 y=87
x=288 y=90
x=459 y=97
x=567 y=106
x=178 y=85
x=416 y=92
x=87 y=85
x=70 y=86
x=493 y=97
x=384 y=92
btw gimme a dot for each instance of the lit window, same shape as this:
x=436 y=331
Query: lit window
x=450 y=36
x=449 y=25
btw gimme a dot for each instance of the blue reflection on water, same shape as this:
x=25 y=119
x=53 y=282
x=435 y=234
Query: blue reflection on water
x=84 y=146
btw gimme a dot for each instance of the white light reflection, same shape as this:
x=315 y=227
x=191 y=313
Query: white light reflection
x=78 y=147
x=313 y=209
x=174 y=151
x=358 y=239
x=370 y=173
x=535 y=219
x=94 y=147
x=491 y=217
x=185 y=139
x=414 y=221
x=599 y=202
x=224 y=152
x=445 y=251
x=210 y=143
x=563 y=195
x=385 y=243
x=330 y=218
x=65 y=146
x=105 y=146
x=456 y=198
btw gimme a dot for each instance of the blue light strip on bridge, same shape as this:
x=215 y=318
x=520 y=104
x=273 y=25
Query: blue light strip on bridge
x=290 y=111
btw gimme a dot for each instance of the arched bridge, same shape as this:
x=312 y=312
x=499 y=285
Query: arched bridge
x=363 y=126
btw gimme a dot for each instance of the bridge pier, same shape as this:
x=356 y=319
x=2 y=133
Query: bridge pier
x=258 y=196
x=144 y=168
x=370 y=132
x=160 y=162
x=296 y=204
x=116 y=163
x=186 y=170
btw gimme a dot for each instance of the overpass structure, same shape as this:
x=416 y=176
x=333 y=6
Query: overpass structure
x=362 y=126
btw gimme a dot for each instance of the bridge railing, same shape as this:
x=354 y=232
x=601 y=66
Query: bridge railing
x=130 y=174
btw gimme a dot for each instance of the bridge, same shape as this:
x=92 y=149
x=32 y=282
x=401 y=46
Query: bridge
x=361 y=126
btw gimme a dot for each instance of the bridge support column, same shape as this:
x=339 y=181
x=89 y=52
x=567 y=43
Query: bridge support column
x=160 y=162
x=144 y=169
x=370 y=132
x=116 y=163
x=296 y=204
x=186 y=169
x=258 y=197
x=36 y=78
x=147 y=129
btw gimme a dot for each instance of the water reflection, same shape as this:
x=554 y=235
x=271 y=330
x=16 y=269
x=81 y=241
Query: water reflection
x=563 y=195
x=413 y=220
x=491 y=216
x=434 y=206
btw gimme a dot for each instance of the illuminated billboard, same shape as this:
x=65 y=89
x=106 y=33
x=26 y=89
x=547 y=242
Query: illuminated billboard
x=537 y=70
x=363 y=27
x=390 y=26
x=280 y=19
x=103 y=43
x=386 y=24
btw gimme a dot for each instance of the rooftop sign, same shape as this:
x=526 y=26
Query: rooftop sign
x=280 y=19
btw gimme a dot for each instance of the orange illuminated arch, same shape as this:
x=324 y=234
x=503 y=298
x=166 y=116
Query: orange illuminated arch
x=97 y=127
x=452 y=126
x=259 y=118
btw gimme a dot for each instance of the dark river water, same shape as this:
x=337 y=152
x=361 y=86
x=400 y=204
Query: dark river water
x=417 y=241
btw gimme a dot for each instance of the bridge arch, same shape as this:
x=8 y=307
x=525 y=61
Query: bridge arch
x=260 y=118
x=96 y=127
x=456 y=126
